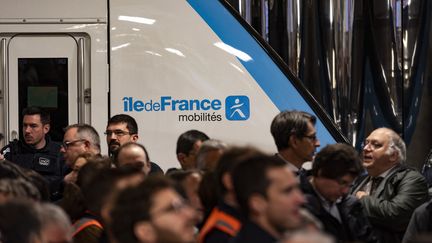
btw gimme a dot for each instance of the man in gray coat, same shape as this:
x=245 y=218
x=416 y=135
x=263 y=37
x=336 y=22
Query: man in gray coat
x=391 y=191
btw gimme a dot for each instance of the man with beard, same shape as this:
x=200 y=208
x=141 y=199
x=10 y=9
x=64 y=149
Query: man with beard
x=122 y=129
x=152 y=212
x=79 y=139
x=37 y=151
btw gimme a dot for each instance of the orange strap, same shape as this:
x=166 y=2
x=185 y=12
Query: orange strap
x=221 y=221
x=83 y=223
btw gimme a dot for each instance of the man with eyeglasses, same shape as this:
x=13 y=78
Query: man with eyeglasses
x=78 y=140
x=295 y=136
x=391 y=191
x=36 y=151
x=152 y=212
x=334 y=169
x=122 y=129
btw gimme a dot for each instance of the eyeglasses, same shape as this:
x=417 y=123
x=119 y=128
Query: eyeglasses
x=66 y=145
x=118 y=133
x=174 y=207
x=372 y=145
x=311 y=137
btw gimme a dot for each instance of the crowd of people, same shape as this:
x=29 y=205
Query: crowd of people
x=54 y=192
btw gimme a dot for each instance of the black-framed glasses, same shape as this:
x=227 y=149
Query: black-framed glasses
x=311 y=137
x=66 y=145
x=118 y=133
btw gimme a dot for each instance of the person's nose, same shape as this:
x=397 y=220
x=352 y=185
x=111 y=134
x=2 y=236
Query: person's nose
x=317 y=143
x=27 y=129
x=112 y=136
x=300 y=197
x=367 y=147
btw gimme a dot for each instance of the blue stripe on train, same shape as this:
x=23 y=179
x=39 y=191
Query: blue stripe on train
x=261 y=67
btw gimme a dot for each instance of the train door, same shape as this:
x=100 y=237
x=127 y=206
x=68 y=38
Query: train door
x=45 y=70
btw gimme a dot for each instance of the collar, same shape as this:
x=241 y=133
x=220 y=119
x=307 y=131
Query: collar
x=292 y=167
x=387 y=172
x=252 y=232
x=326 y=203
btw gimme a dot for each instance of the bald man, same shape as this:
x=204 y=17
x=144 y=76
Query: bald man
x=391 y=191
x=133 y=153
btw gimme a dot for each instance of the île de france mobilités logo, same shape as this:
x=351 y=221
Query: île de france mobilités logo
x=237 y=108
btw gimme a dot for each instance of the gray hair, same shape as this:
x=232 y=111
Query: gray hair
x=397 y=144
x=51 y=214
x=87 y=132
x=206 y=147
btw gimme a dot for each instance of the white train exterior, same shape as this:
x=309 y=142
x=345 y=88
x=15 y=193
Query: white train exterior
x=173 y=65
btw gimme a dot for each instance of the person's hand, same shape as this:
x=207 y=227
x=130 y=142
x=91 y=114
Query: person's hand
x=360 y=194
x=1 y=157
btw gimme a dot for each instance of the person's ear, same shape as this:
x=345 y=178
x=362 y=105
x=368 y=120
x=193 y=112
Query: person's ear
x=181 y=157
x=87 y=144
x=293 y=141
x=394 y=156
x=134 y=138
x=145 y=232
x=46 y=128
x=257 y=204
x=147 y=167
x=227 y=181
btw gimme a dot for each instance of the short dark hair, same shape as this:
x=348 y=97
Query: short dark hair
x=19 y=188
x=227 y=162
x=22 y=228
x=133 y=205
x=128 y=145
x=337 y=160
x=131 y=124
x=289 y=123
x=250 y=177
x=187 y=139
x=99 y=186
x=34 y=110
x=178 y=177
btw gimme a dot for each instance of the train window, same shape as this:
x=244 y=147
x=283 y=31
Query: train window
x=43 y=82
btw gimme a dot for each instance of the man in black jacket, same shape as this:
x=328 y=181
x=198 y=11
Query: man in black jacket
x=268 y=194
x=36 y=152
x=334 y=169
x=391 y=191
x=122 y=129
x=295 y=137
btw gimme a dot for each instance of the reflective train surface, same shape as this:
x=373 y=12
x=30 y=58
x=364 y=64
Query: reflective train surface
x=173 y=65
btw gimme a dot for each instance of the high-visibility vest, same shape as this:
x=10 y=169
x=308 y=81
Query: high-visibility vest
x=82 y=223
x=221 y=221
